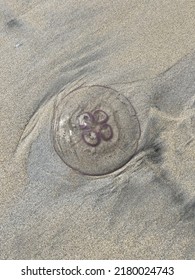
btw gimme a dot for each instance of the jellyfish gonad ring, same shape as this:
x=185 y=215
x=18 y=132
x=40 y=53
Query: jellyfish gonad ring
x=94 y=127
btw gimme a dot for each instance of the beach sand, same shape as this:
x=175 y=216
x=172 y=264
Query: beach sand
x=145 y=51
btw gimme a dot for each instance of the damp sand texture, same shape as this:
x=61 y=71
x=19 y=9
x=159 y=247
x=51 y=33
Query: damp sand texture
x=142 y=209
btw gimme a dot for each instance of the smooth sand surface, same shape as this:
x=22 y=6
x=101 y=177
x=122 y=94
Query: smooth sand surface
x=144 y=50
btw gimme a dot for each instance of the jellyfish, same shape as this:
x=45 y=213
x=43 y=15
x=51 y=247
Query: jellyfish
x=95 y=130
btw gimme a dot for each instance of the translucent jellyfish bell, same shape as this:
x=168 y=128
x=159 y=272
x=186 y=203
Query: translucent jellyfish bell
x=95 y=130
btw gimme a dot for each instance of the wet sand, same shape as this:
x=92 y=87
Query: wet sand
x=145 y=51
